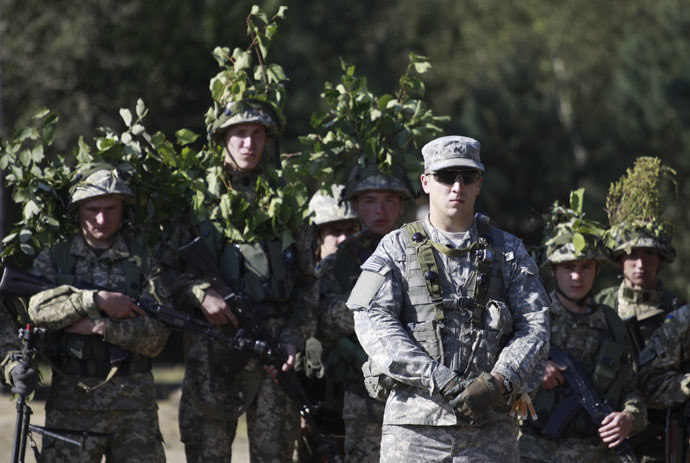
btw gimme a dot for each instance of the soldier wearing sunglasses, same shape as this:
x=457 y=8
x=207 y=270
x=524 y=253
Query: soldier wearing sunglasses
x=453 y=316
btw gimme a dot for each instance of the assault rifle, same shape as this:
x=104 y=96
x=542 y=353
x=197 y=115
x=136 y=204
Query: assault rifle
x=582 y=395
x=197 y=256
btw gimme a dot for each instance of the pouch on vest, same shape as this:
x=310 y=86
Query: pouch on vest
x=268 y=273
x=607 y=368
x=377 y=384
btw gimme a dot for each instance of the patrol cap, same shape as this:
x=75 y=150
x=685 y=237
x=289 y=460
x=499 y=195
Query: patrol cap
x=451 y=151
x=328 y=208
x=94 y=180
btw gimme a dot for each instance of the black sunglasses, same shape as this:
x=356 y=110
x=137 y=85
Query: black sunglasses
x=449 y=177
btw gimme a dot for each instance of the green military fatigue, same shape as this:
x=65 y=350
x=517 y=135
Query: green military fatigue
x=603 y=352
x=363 y=416
x=125 y=406
x=647 y=309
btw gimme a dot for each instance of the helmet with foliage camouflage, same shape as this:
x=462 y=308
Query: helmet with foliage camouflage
x=636 y=206
x=370 y=178
x=569 y=236
x=220 y=118
x=94 y=180
x=328 y=208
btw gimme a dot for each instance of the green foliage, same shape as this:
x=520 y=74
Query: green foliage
x=159 y=172
x=566 y=228
x=240 y=80
x=276 y=204
x=361 y=128
x=37 y=186
x=639 y=199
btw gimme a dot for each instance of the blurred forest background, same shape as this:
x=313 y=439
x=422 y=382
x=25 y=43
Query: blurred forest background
x=560 y=94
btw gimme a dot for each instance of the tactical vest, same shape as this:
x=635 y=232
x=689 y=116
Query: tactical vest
x=262 y=271
x=89 y=355
x=610 y=373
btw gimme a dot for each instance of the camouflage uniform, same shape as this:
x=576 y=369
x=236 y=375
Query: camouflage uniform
x=647 y=309
x=664 y=373
x=80 y=397
x=219 y=384
x=9 y=341
x=586 y=337
x=363 y=415
x=397 y=325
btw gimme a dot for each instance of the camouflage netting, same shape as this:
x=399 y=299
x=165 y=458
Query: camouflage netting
x=640 y=207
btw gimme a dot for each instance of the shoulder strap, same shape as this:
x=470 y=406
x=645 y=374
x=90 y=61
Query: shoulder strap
x=427 y=262
x=64 y=262
x=615 y=325
x=134 y=267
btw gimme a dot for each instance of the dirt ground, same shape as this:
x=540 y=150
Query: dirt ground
x=167 y=381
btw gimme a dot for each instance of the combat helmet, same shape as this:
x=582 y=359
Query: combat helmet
x=569 y=236
x=370 y=178
x=221 y=117
x=98 y=179
x=636 y=205
x=328 y=208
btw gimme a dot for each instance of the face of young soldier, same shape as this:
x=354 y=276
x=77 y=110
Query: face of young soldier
x=576 y=277
x=244 y=145
x=99 y=220
x=379 y=210
x=641 y=266
x=334 y=233
x=452 y=200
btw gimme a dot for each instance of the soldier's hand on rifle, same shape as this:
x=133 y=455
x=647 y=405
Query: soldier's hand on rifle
x=117 y=305
x=216 y=310
x=87 y=327
x=291 y=351
x=616 y=427
x=552 y=375
x=24 y=379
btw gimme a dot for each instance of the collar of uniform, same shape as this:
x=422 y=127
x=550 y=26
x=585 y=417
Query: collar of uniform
x=639 y=295
x=241 y=180
x=118 y=250
x=439 y=237
x=591 y=317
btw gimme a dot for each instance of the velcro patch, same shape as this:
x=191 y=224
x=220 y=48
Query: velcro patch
x=365 y=289
x=376 y=264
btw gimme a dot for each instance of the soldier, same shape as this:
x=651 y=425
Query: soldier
x=334 y=218
x=596 y=339
x=453 y=312
x=665 y=378
x=102 y=342
x=335 y=221
x=640 y=241
x=378 y=200
x=219 y=384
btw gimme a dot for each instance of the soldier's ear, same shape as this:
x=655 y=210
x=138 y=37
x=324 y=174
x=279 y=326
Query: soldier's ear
x=424 y=179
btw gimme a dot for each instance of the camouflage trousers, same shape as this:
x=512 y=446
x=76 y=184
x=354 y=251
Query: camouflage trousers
x=363 y=420
x=209 y=411
x=134 y=437
x=493 y=442
x=539 y=448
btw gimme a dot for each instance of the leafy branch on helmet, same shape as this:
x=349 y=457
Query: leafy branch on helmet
x=568 y=235
x=158 y=170
x=240 y=85
x=277 y=205
x=641 y=201
x=360 y=128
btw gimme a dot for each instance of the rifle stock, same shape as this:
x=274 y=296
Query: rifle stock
x=198 y=257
